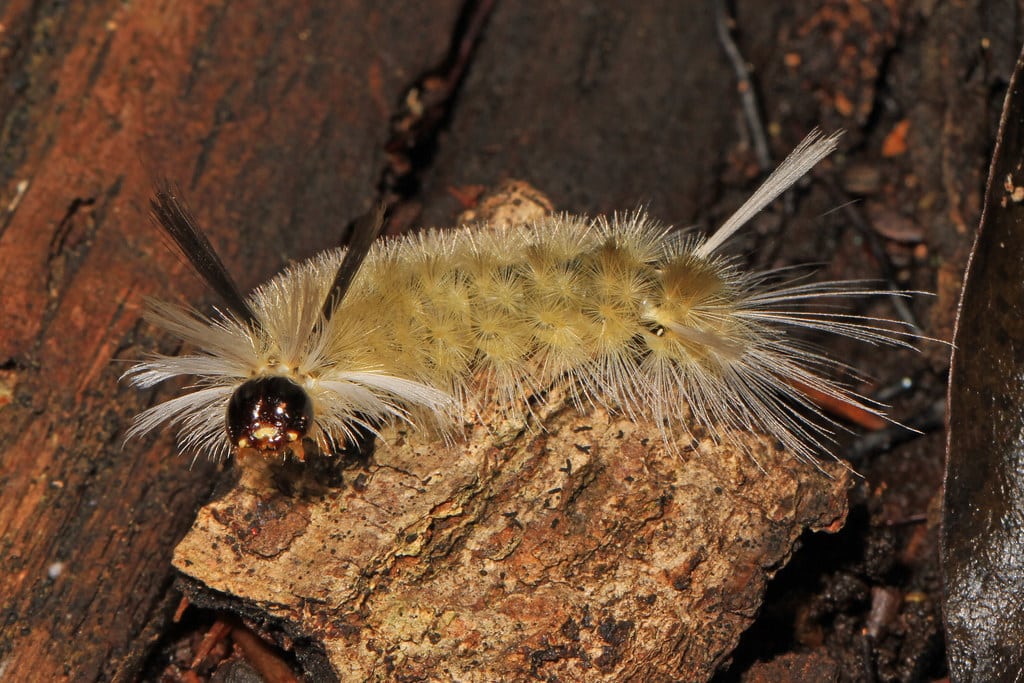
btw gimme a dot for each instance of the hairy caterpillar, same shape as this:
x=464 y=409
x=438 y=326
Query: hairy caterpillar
x=637 y=317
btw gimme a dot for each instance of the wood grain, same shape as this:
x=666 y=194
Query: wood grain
x=275 y=117
x=257 y=108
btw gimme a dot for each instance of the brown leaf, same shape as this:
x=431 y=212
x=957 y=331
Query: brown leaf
x=983 y=517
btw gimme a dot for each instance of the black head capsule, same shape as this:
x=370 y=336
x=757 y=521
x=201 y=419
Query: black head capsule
x=269 y=415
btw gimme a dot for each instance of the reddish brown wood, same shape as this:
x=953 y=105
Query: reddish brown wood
x=584 y=551
x=273 y=117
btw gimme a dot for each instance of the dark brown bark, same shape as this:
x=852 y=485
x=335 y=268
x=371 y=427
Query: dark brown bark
x=274 y=117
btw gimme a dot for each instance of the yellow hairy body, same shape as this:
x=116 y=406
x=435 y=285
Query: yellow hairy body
x=632 y=315
x=514 y=308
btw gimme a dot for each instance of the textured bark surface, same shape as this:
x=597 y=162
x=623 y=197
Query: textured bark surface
x=275 y=118
x=585 y=551
x=548 y=545
x=276 y=128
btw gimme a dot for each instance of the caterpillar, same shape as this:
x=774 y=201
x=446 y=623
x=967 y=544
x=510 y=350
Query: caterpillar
x=637 y=317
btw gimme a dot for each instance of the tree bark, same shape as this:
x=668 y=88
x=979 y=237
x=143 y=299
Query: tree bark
x=283 y=122
x=581 y=550
x=273 y=117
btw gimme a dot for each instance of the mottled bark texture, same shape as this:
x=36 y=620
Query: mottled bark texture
x=544 y=543
x=585 y=551
x=275 y=119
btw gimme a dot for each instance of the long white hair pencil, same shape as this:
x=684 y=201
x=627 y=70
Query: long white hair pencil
x=635 y=317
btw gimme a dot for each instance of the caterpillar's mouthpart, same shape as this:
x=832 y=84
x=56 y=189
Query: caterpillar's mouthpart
x=270 y=416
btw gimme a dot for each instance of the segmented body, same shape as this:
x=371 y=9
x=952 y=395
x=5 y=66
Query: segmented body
x=507 y=311
x=628 y=311
x=633 y=315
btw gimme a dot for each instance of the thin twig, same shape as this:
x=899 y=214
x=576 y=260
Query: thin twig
x=745 y=86
x=863 y=225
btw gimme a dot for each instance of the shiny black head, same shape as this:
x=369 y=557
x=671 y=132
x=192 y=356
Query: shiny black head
x=270 y=415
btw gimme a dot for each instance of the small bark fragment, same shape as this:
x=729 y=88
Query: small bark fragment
x=583 y=548
x=586 y=550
